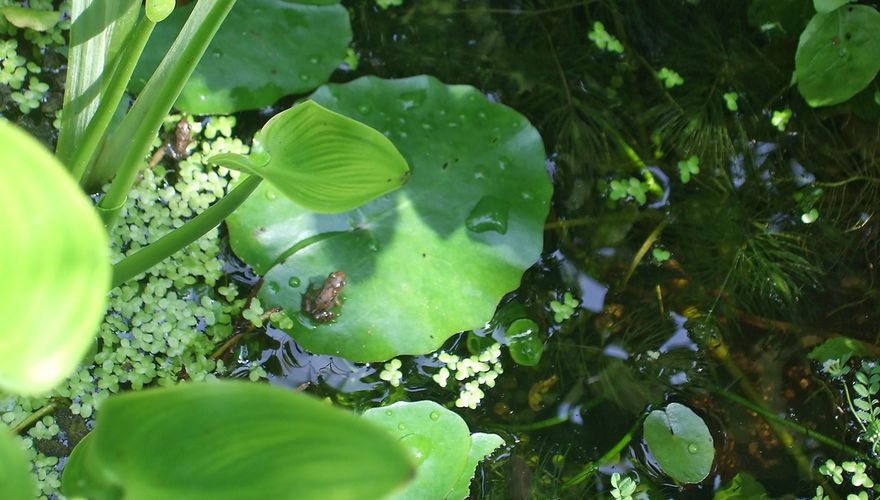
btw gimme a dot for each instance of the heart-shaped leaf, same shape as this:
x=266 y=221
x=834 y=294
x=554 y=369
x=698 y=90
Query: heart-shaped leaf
x=264 y=50
x=680 y=442
x=837 y=54
x=16 y=481
x=441 y=443
x=322 y=160
x=55 y=265
x=233 y=440
x=422 y=263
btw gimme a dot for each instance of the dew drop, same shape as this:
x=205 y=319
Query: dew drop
x=401 y=427
x=693 y=449
x=388 y=413
x=314 y=59
x=489 y=214
x=363 y=109
x=270 y=195
x=480 y=172
x=294 y=282
x=304 y=77
x=435 y=416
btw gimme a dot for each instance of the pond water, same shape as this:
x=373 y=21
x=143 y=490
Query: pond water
x=714 y=286
x=712 y=228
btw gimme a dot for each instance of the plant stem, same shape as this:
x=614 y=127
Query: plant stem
x=609 y=456
x=34 y=417
x=195 y=228
x=769 y=415
x=88 y=144
x=646 y=245
x=129 y=145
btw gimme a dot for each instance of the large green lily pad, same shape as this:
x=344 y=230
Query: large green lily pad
x=264 y=50
x=422 y=263
x=837 y=55
x=680 y=443
x=445 y=452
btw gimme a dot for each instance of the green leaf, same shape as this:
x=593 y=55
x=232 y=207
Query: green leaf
x=481 y=446
x=743 y=486
x=25 y=17
x=680 y=442
x=841 y=348
x=327 y=162
x=97 y=34
x=158 y=10
x=416 y=273
x=17 y=483
x=265 y=49
x=837 y=55
x=825 y=6
x=441 y=444
x=524 y=342
x=232 y=440
x=55 y=265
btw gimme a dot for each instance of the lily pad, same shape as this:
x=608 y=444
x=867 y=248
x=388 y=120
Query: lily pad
x=264 y=50
x=416 y=271
x=232 y=440
x=837 y=54
x=680 y=442
x=445 y=452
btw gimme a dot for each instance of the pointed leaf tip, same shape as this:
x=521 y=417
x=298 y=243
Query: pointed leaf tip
x=327 y=162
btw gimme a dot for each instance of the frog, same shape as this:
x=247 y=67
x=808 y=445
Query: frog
x=318 y=302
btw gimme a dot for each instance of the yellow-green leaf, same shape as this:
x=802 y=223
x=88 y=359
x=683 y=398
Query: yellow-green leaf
x=54 y=267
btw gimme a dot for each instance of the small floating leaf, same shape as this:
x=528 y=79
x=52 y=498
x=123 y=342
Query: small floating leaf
x=840 y=348
x=743 y=486
x=524 y=342
x=233 y=440
x=680 y=442
x=441 y=444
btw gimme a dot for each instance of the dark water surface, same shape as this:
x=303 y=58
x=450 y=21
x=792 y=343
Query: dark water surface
x=745 y=271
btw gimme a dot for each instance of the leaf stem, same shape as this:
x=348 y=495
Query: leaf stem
x=609 y=456
x=34 y=417
x=126 y=149
x=195 y=228
x=769 y=415
x=88 y=144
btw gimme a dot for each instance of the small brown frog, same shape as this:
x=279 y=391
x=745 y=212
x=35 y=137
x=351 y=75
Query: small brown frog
x=319 y=302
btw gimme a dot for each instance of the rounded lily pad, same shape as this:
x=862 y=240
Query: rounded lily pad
x=420 y=264
x=680 y=442
x=445 y=452
x=837 y=54
x=264 y=50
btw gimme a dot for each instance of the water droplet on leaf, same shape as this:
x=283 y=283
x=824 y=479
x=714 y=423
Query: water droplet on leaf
x=489 y=214
x=693 y=449
x=435 y=416
x=294 y=282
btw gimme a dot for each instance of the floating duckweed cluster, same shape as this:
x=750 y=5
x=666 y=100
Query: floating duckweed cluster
x=478 y=370
x=392 y=373
x=16 y=71
x=162 y=327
